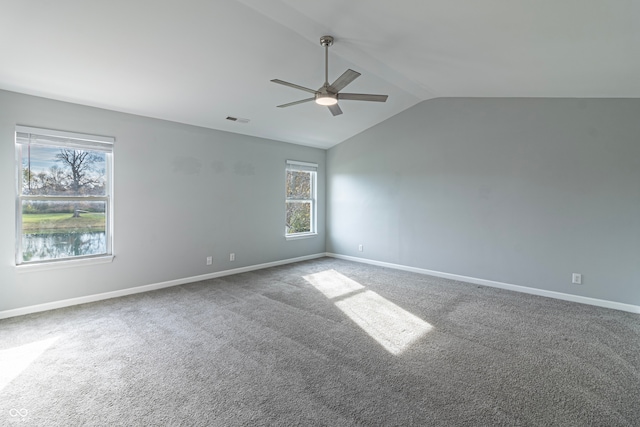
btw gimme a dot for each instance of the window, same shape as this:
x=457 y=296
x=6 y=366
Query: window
x=64 y=195
x=300 y=199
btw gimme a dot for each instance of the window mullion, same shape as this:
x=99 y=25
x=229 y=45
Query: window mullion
x=27 y=197
x=299 y=200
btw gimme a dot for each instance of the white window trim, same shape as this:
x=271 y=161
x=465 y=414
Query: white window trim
x=71 y=139
x=64 y=263
x=86 y=138
x=299 y=236
x=302 y=165
x=305 y=167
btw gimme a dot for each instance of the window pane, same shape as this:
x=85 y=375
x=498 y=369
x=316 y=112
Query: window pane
x=62 y=229
x=62 y=171
x=298 y=185
x=298 y=217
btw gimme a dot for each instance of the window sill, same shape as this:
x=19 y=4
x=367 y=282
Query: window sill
x=55 y=265
x=299 y=236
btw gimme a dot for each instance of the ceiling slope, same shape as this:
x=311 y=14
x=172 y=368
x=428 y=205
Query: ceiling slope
x=198 y=61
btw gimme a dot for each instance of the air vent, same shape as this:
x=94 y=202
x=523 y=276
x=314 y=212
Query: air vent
x=237 y=119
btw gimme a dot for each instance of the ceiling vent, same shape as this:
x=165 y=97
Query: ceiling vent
x=237 y=119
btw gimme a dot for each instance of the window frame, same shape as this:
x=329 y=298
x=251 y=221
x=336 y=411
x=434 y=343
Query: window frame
x=312 y=169
x=26 y=135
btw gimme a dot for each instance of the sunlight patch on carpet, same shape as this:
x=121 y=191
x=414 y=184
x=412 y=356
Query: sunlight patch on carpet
x=13 y=361
x=333 y=284
x=390 y=325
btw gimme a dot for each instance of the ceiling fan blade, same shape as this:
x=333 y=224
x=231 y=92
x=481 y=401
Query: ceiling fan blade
x=296 y=102
x=362 y=97
x=342 y=81
x=335 y=109
x=282 y=82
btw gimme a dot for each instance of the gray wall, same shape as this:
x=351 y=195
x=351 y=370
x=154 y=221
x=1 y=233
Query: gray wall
x=521 y=191
x=181 y=193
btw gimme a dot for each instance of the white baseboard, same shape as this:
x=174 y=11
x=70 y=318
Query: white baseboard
x=533 y=291
x=129 y=291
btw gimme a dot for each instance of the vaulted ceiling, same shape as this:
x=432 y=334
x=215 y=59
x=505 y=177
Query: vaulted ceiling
x=199 y=61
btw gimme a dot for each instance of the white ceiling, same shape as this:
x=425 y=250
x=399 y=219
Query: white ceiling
x=199 y=61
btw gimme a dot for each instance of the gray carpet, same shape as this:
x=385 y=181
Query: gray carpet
x=323 y=342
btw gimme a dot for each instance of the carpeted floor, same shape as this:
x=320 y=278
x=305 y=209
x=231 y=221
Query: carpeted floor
x=324 y=342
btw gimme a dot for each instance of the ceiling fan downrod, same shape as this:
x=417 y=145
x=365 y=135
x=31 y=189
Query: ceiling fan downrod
x=326 y=41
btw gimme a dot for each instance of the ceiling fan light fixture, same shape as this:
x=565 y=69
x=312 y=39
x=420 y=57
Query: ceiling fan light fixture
x=323 y=99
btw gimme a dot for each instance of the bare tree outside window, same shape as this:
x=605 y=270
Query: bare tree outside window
x=80 y=163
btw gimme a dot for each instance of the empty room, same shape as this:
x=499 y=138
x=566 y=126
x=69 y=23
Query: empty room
x=297 y=213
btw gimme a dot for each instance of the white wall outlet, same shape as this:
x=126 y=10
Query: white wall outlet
x=209 y=260
x=360 y=248
x=576 y=278
x=232 y=256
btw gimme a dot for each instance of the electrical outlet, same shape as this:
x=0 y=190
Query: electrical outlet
x=209 y=260
x=232 y=257
x=576 y=278
x=360 y=248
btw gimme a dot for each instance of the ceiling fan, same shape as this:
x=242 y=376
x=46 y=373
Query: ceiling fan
x=329 y=94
